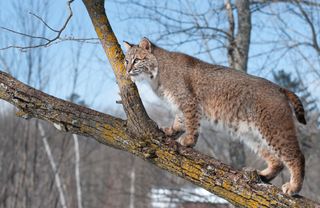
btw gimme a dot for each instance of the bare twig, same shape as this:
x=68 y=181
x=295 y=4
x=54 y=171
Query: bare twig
x=311 y=26
x=24 y=34
x=48 y=41
x=311 y=3
x=46 y=24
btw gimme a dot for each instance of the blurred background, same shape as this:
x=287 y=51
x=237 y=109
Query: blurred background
x=42 y=167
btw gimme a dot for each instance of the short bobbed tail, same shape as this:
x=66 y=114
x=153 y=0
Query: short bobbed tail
x=296 y=104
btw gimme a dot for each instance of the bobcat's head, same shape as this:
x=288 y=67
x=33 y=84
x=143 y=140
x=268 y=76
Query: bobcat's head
x=140 y=62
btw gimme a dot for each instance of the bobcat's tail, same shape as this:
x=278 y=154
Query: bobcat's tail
x=297 y=105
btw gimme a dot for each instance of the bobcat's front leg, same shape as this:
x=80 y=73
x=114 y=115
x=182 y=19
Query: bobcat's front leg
x=191 y=113
x=176 y=127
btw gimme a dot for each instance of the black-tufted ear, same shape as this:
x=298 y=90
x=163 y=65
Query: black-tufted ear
x=127 y=45
x=145 y=44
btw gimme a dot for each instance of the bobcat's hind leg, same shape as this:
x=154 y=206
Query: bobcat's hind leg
x=296 y=163
x=275 y=165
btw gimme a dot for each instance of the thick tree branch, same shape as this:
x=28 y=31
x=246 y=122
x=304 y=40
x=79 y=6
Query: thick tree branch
x=64 y=115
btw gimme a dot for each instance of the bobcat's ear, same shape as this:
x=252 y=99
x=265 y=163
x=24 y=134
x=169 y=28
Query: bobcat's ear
x=127 y=45
x=145 y=44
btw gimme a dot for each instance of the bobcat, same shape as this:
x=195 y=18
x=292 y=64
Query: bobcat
x=250 y=108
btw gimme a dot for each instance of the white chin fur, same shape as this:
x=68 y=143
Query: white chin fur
x=139 y=77
x=143 y=76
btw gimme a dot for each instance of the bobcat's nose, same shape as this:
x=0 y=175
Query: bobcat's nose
x=128 y=69
x=127 y=74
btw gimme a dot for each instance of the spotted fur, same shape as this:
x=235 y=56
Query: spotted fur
x=249 y=108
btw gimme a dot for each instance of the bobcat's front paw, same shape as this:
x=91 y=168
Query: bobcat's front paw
x=168 y=131
x=187 y=140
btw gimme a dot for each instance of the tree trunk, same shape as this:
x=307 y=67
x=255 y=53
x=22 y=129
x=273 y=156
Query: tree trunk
x=139 y=135
x=138 y=120
x=243 y=36
x=238 y=44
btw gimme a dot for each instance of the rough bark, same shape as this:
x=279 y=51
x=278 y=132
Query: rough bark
x=239 y=42
x=138 y=119
x=139 y=135
x=243 y=36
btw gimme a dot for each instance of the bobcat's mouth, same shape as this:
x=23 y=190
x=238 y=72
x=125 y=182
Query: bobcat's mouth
x=134 y=73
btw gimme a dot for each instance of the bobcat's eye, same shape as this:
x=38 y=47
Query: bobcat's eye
x=136 y=60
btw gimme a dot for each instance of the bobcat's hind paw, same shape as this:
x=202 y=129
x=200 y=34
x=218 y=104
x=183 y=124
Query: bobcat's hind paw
x=287 y=188
x=171 y=132
x=187 y=140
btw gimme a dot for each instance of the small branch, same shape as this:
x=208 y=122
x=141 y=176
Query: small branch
x=45 y=24
x=48 y=41
x=24 y=34
x=314 y=34
x=310 y=3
